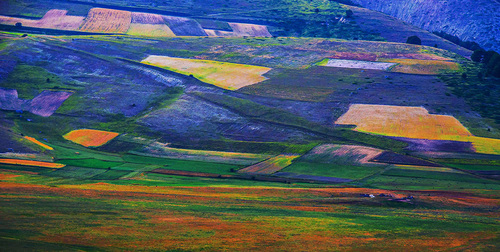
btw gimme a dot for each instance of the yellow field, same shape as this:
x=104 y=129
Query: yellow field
x=150 y=30
x=416 y=66
x=413 y=122
x=271 y=165
x=107 y=20
x=38 y=142
x=426 y=168
x=222 y=74
x=31 y=163
x=89 y=137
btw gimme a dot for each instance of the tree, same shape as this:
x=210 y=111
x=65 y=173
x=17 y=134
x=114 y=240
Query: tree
x=349 y=13
x=414 y=40
x=18 y=24
x=477 y=55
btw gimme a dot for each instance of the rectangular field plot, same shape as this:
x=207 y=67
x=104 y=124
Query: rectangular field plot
x=341 y=154
x=473 y=167
x=206 y=156
x=332 y=170
x=183 y=165
x=150 y=30
x=416 y=66
x=413 y=122
x=222 y=74
x=90 y=163
x=110 y=175
x=240 y=30
x=107 y=20
x=31 y=163
x=411 y=173
x=76 y=172
x=271 y=165
x=53 y=19
x=409 y=183
x=357 y=64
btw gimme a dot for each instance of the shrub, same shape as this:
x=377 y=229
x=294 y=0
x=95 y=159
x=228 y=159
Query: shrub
x=414 y=40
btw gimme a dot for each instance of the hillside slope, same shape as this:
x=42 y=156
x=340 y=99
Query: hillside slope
x=470 y=20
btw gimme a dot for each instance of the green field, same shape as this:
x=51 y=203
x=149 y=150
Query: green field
x=333 y=170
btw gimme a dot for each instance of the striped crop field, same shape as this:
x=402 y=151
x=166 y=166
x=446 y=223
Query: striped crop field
x=150 y=30
x=413 y=122
x=53 y=19
x=163 y=150
x=271 y=165
x=32 y=139
x=31 y=163
x=417 y=66
x=151 y=25
x=426 y=168
x=107 y=20
x=226 y=75
x=240 y=30
x=356 y=64
x=90 y=137
x=335 y=153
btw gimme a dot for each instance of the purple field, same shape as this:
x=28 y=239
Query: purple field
x=424 y=145
x=394 y=158
x=44 y=104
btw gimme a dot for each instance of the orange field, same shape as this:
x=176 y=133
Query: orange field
x=416 y=66
x=271 y=165
x=89 y=137
x=222 y=74
x=107 y=20
x=38 y=142
x=413 y=122
x=31 y=163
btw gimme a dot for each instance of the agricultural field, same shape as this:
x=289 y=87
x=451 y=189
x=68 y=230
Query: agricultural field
x=270 y=165
x=150 y=30
x=32 y=139
x=414 y=66
x=220 y=74
x=24 y=162
x=107 y=20
x=341 y=154
x=240 y=30
x=53 y=19
x=413 y=122
x=89 y=137
x=357 y=64
x=163 y=150
x=210 y=126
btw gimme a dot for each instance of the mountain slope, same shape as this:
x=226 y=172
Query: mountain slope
x=470 y=20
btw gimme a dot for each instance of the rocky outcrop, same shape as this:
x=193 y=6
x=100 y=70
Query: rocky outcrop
x=470 y=20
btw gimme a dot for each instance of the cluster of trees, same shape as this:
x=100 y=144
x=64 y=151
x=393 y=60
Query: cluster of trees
x=490 y=59
x=455 y=40
x=414 y=40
